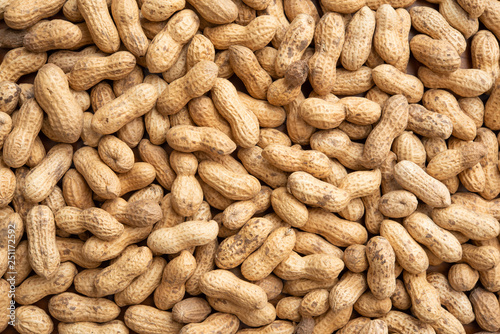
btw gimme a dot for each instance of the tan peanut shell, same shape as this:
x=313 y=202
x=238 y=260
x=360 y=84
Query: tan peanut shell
x=90 y=70
x=477 y=226
x=275 y=248
x=295 y=41
x=104 y=182
x=391 y=125
x=329 y=39
x=65 y=117
x=284 y=91
x=248 y=69
x=96 y=249
x=392 y=81
x=50 y=35
x=451 y=162
x=462 y=277
x=443 y=57
x=133 y=103
x=42 y=179
x=255 y=35
x=288 y=308
x=314 y=267
x=239 y=213
x=43 y=254
x=355 y=258
x=36 y=287
x=250 y=317
x=71 y=307
x=171 y=289
x=232 y=185
x=345 y=293
x=216 y=322
x=182 y=236
x=358 y=39
x=244 y=124
x=197 y=81
x=428 y=124
x=312 y=191
x=18 y=62
x=32 y=319
x=386 y=40
x=427 y=310
x=381 y=258
x=339 y=232
x=191 y=310
x=224 y=284
x=19 y=14
x=149 y=319
x=288 y=207
x=267 y=114
x=456 y=303
x=100 y=24
x=429 y=21
x=486 y=308
x=477 y=83
x=409 y=253
x=322 y=114
x=441 y=243
x=216 y=12
x=292 y=160
x=259 y=167
x=428 y=189
x=398 y=204
x=126 y=16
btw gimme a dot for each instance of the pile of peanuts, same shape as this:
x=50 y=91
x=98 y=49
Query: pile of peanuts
x=162 y=171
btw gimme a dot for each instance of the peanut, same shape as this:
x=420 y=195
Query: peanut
x=315 y=267
x=134 y=103
x=43 y=254
x=276 y=248
x=477 y=82
x=196 y=82
x=486 y=308
x=191 y=233
x=100 y=24
x=20 y=14
x=191 y=310
x=216 y=322
x=477 y=226
x=70 y=307
x=457 y=303
x=256 y=35
x=409 y=253
x=381 y=258
x=172 y=287
x=329 y=39
x=441 y=243
x=248 y=69
x=147 y=319
x=36 y=287
x=32 y=319
x=238 y=214
x=98 y=221
x=96 y=249
x=429 y=21
x=339 y=232
x=357 y=45
x=244 y=124
x=392 y=81
x=230 y=184
x=90 y=70
x=223 y=284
